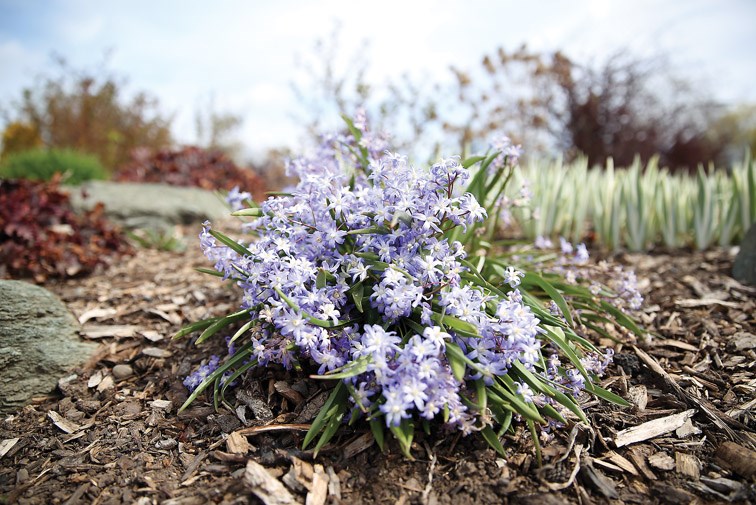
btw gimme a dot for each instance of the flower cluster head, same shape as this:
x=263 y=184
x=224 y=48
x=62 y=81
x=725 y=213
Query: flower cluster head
x=354 y=271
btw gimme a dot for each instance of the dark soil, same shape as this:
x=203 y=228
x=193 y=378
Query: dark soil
x=113 y=435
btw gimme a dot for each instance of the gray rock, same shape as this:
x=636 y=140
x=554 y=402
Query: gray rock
x=38 y=343
x=149 y=205
x=121 y=372
x=744 y=269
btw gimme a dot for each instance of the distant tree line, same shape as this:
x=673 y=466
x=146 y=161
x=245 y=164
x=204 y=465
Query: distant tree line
x=623 y=107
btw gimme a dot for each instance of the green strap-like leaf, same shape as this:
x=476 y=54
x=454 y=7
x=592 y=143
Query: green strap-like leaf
x=250 y=212
x=236 y=359
x=493 y=440
x=357 y=291
x=352 y=369
x=532 y=278
x=209 y=271
x=404 y=433
x=222 y=323
x=456 y=360
x=605 y=395
x=230 y=243
x=338 y=395
x=199 y=325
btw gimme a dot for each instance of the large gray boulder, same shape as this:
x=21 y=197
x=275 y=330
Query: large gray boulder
x=39 y=343
x=744 y=269
x=149 y=205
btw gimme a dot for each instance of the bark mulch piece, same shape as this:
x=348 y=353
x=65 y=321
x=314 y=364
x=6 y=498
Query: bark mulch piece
x=111 y=433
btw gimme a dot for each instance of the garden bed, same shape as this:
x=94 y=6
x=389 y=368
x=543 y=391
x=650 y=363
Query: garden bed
x=112 y=434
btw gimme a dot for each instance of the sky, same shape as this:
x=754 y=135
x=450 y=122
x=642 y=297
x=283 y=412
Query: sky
x=244 y=54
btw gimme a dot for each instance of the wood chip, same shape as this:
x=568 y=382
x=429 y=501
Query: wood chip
x=152 y=335
x=599 y=481
x=737 y=458
x=722 y=485
x=236 y=443
x=61 y=422
x=652 y=429
x=95 y=379
x=721 y=420
x=266 y=487
x=283 y=388
x=688 y=465
x=358 y=445
x=638 y=455
x=171 y=317
x=686 y=430
x=106 y=384
x=678 y=344
x=255 y=430
x=662 y=461
x=156 y=352
x=191 y=468
x=161 y=404
x=100 y=331
x=97 y=314
x=621 y=462
x=705 y=302
x=319 y=491
x=638 y=396
x=742 y=341
x=6 y=445
x=303 y=472
x=742 y=409
x=334 y=484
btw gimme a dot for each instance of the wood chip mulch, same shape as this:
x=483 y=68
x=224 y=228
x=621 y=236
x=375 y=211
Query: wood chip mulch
x=111 y=433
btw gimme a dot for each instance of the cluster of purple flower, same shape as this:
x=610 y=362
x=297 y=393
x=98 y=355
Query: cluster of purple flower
x=621 y=285
x=353 y=266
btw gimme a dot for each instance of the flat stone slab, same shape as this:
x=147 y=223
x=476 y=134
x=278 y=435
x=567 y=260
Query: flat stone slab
x=149 y=205
x=744 y=268
x=39 y=343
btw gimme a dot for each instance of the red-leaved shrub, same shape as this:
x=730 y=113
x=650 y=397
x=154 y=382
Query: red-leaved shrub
x=191 y=166
x=41 y=236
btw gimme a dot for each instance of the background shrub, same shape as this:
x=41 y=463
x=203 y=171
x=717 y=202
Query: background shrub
x=88 y=110
x=191 y=166
x=43 y=164
x=41 y=236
